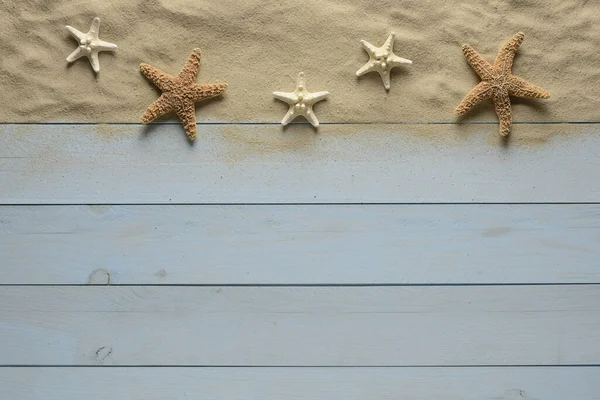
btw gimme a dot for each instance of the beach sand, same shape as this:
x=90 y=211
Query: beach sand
x=259 y=46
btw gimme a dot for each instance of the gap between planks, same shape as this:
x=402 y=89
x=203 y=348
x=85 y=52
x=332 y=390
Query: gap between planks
x=264 y=204
x=308 y=124
x=207 y=366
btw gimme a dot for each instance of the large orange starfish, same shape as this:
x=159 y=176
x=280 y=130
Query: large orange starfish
x=179 y=93
x=498 y=82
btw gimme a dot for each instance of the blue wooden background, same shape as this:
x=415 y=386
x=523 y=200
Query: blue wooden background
x=361 y=262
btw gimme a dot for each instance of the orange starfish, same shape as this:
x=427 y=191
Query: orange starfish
x=498 y=82
x=179 y=93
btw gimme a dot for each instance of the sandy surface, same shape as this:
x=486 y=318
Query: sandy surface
x=258 y=46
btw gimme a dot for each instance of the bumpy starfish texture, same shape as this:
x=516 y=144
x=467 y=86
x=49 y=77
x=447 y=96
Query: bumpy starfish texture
x=301 y=102
x=498 y=82
x=89 y=45
x=382 y=60
x=179 y=93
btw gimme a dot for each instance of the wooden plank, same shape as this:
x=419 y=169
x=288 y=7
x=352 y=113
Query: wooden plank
x=99 y=164
x=300 y=326
x=264 y=53
x=512 y=383
x=311 y=244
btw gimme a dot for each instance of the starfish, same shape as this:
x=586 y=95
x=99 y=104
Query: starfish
x=89 y=45
x=382 y=60
x=498 y=82
x=179 y=93
x=301 y=102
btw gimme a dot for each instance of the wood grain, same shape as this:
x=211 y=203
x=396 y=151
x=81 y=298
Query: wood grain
x=311 y=244
x=512 y=383
x=300 y=326
x=116 y=164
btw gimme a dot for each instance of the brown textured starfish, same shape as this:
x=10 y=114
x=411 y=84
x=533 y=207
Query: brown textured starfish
x=179 y=93
x=498 y=82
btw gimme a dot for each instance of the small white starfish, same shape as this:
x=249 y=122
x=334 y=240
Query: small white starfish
x=89 y=45
x=382 y=60
x=301 y=102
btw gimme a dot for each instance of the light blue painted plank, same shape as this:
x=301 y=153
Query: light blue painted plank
x=99 y=164
x=300 y=326
x=314 y=244
x=512 y=383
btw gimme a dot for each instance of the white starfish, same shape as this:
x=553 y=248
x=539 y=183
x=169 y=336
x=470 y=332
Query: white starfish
x=301 y=102
x=89 y=45
x=382 y=60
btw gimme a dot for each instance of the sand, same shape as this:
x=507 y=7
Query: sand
x=259 y=46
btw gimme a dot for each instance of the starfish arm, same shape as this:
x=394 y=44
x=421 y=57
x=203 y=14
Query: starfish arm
x=479 y=93
x=93 y=57
x=395 y=60
x=187 y=115
x=283 y=96
x=479 y=65
x=301 y=81
x=506 y=54
x=95 y=28
x=369 y=48
x=365 y=69
x=105 y=46
x=311 y=117
x=159 y=108
x=503 y=110
x=385 y=77
x=76 y=54
x=189 y=71
x=75 y=33
x=521 y=88
x=389 y=43
x=202 y=92
x=318 y=96
x=289 y=116
x=162 y=80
